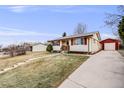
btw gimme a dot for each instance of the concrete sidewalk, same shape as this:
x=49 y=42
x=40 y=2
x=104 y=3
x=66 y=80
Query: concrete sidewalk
x=102 y=70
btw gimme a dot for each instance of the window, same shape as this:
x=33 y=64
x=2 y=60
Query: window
x=56 y=43
x=78 y=41
x=94 y=40
x=98 y=36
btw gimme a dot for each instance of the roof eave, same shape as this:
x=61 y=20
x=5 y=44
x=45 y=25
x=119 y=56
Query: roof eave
x=68 y=38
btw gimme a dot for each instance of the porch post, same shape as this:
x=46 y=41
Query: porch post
x=69 y=42
x=60 y=43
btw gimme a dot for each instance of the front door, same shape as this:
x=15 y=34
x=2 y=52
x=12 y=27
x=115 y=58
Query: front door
x=65 y=45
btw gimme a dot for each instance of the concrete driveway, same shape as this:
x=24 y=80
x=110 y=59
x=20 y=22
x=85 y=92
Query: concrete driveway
x=102 y=70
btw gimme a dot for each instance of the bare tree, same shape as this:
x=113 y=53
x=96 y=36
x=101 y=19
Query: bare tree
x=15 y=50
x=11 y=49
x=112 y=20
x=0 y=48
x=81 y=28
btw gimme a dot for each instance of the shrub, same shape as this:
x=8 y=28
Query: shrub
x=49 y=48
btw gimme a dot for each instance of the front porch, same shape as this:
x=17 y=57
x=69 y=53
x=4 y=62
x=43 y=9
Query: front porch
x=76 y=48
x=71 y=45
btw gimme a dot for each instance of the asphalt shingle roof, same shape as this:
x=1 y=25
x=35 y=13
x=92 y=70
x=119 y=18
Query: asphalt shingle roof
x=73 y=36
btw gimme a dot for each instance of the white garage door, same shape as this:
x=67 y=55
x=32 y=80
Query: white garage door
x=109 y=46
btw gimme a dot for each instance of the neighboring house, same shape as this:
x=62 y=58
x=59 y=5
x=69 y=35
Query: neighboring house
x=39 y=47
x=110 y=44
x=87 y=42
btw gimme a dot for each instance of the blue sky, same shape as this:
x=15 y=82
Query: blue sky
x=42 y=23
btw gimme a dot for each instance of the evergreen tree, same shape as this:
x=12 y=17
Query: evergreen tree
x=64 y=34
x=49 y=48
x=121 y=29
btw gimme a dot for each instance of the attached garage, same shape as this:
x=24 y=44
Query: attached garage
x=110 y=44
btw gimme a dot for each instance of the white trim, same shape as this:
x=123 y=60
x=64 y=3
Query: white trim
x=56 y=48
x=79 y=48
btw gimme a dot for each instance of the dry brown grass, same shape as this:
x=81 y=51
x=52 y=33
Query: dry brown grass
x=46 y=72
x=10 y=61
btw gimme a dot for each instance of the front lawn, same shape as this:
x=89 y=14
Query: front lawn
x=10 y=61
x=46 y=72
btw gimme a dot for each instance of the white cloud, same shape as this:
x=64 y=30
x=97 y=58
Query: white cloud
x=17 y=9
x=22 y=8
x=5 y=31
x=57 y=9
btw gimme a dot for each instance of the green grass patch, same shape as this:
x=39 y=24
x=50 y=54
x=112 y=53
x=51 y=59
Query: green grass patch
x=45 y=73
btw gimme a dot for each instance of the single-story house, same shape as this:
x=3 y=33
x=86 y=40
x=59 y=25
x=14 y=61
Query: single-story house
x=86 y=42
x=39 y=47
x=110 y=44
